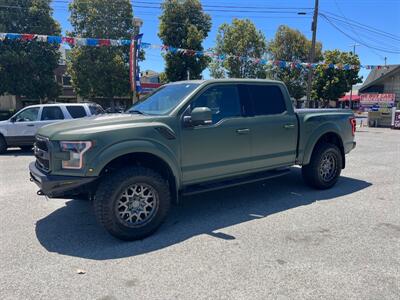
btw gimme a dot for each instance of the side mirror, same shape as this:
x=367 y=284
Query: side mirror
x=201 y=116
x=13 y=119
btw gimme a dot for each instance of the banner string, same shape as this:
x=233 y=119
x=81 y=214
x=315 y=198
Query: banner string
x=95 y=42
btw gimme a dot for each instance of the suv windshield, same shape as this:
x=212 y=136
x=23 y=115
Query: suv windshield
x=163 y=100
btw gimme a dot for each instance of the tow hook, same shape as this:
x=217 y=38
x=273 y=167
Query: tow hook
x=40 y=193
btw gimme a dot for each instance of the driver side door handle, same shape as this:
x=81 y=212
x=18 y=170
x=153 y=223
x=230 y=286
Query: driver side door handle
x=288 y=126
x=243 y=131
x=30 y=125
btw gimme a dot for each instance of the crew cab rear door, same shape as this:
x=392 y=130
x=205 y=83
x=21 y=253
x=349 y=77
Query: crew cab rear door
x=273 y=125
x=219 y=149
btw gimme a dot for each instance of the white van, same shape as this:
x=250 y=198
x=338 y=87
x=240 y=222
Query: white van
x=20 y=129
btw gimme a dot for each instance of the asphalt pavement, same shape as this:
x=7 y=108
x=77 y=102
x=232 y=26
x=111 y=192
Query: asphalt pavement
x=273 y=240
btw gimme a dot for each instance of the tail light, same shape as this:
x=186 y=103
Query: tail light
x=353 y=123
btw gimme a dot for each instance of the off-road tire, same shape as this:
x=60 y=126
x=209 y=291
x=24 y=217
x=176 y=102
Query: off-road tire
x=312 y=172
x=109 y=192
x=3 y=145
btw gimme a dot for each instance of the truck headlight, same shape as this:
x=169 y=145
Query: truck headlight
x=76 y=151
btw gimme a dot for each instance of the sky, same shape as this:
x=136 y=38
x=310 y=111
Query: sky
x=383 y=15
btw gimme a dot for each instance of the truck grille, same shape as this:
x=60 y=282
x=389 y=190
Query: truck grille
x=41 y=148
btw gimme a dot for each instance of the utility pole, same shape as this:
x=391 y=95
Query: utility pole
x=137 y=23
x=351 y=88
x=312 y=50
x=188 y=74
x=385 y=60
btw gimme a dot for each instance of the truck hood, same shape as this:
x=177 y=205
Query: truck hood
x=82 y=127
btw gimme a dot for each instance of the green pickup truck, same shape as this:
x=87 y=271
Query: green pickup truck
x=187 y=137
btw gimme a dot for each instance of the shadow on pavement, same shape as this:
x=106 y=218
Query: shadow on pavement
x=72 y=230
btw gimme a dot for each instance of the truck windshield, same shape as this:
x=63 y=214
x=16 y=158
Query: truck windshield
x=163 y=100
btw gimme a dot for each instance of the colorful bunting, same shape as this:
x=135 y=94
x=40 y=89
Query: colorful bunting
x=93 y=42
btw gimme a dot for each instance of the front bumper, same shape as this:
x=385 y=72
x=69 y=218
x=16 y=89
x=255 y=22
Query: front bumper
x=57 y=186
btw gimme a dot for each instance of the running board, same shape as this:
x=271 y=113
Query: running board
x=216 y=185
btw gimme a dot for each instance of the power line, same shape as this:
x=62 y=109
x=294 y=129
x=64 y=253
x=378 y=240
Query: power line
x=363 y=26
x=353 y=30
x=137 y=6
x=356 y=39
x=158 y=5
x=378 y=38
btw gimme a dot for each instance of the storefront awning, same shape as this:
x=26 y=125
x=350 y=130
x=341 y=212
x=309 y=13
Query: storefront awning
x=347 y=98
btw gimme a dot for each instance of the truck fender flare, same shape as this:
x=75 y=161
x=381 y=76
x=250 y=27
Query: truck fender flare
x=314 y=138
x=129 y=147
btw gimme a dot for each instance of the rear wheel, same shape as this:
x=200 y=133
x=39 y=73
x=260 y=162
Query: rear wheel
x=3 y=144
x=324 y=168
x=132 y=203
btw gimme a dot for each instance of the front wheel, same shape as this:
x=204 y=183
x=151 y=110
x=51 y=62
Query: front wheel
x=132 y=203
x=324 y=168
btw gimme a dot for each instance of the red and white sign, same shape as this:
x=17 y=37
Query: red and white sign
x=396 y=123
x=377 y=98
x=148 y=87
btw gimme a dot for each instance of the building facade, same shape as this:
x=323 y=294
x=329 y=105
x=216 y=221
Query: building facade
x=380 y=94
x=385 y=80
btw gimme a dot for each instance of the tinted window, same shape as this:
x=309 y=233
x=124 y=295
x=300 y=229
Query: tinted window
x=28 y=115
x=223 y=101
x=52 y=113
x=267 y=99
x=76 y=111
x=96 y=109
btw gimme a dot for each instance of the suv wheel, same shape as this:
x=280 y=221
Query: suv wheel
x=132 y=203
x=324 y=168
x=3 y=145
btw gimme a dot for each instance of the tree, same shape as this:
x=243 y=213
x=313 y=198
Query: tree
x=292 y=46
x=27 y=67
x=101 y=71
x=331 y=83
x=183 y=24
x=163 y=78
x=238 y=42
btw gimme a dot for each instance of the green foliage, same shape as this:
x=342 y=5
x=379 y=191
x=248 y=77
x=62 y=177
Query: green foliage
x=331 y=84
x=163 y=78
x=101 y=71
x=292 y=46
x=183 y=24
x=239 y=39
x=27 y=68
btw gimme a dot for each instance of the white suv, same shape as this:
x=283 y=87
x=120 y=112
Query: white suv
x=20 y=129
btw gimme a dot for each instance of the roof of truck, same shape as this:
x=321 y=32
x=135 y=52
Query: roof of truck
x=227 y=80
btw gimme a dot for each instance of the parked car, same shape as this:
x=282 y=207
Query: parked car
x=21 y=128
x=188 y=137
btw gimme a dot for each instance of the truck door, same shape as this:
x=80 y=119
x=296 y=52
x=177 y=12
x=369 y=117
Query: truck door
x=219 y=149
x=273 y=127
